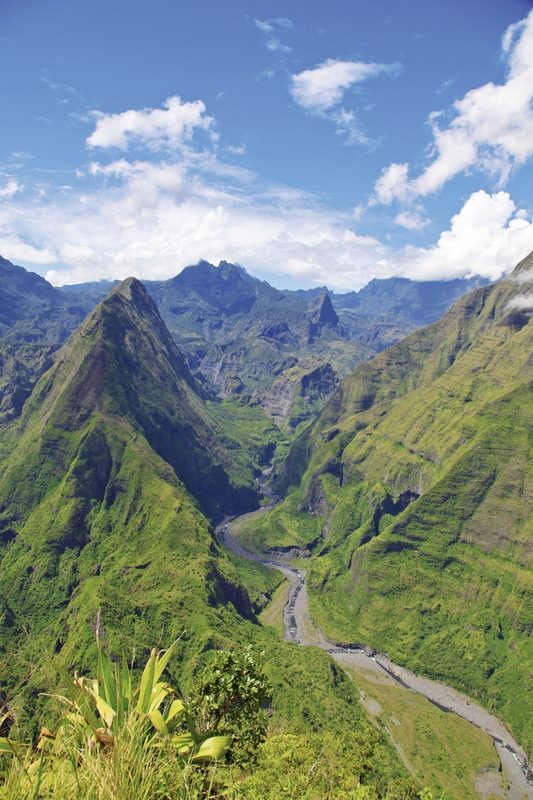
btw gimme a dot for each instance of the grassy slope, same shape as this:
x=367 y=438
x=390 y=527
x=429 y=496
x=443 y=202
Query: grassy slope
x=442 y=750
x=94 y=521
x=444 y=586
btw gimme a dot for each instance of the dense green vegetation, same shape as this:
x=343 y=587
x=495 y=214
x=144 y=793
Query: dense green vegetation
x=418 y=474
x=104 y=487
x=411 y=492
x=119 y=737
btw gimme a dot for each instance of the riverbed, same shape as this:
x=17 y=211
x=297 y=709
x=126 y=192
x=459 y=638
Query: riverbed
x=300 y=629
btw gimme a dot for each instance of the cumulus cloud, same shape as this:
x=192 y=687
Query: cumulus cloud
x=271 y=28
x=490 y=129
x=154 y=128
x=485 y=238
x=150 y=217
x=151 y=220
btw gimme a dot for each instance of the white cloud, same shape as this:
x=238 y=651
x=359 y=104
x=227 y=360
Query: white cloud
x=152 y=217
x=271 y=28
x=9 y=189
x=412 y=220
x=16 y=250
x=323 y=87
x=392 y=184
x=151 y=222
x=491 y=129
x=485 y=238
x=523 y=302
x=524 y=277
x=321 y=91
x=153 y=128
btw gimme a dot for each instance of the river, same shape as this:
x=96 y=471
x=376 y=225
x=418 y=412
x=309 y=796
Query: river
x=300 y=629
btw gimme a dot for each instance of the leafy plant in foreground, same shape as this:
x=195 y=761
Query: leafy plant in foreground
x=148 y=721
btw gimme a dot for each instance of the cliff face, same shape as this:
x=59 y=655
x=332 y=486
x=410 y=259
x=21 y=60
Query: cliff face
x=420 y=466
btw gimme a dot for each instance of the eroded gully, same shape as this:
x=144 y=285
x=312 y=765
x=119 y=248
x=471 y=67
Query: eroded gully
x=300 y=629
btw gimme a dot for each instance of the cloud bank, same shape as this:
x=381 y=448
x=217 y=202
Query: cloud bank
x=176 y=202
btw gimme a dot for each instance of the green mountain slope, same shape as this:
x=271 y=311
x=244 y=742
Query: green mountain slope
x=418 y=474
x=103 y=485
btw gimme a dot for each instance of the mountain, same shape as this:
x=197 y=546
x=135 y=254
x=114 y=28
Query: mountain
x=387 y=309
x=243 y=339
x=33 y=311
x=105 y=483
x=35 y=319
x=423 y=301
x=417 y=488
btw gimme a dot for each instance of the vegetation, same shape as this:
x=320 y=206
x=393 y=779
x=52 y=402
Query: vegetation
x=231 y=695
x=107 y=724
x=119 y=738
x=418 y=474
x=411 y=490
x=441 y=750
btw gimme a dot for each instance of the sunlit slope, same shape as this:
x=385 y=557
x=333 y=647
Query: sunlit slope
x=421 y=470
x=104 y=486
x=102 y=491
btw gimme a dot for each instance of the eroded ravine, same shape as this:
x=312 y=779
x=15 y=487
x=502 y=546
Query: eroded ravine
x=300 y=629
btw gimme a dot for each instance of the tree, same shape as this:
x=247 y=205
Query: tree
x=230 y=697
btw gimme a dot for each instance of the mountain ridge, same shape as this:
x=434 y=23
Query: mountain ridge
x=242 y=338
x=416 y=476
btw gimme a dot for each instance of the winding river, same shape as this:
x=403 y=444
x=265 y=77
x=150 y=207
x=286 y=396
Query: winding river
x=300 y=629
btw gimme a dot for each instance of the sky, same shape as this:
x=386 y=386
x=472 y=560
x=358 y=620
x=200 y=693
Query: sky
x=316 y=143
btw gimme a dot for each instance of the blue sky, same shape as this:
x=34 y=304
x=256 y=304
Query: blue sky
x=311 y=142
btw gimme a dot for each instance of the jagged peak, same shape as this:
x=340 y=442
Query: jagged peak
x=131 y=288
x=134 y=292
x=323 y=311
x=228 y=270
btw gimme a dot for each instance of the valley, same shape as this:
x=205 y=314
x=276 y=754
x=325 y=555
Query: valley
x=512 y=778
x=368 y=493
x=266 y=400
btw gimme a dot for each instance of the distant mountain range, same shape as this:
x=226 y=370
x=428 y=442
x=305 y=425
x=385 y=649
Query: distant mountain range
x=243 y=339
